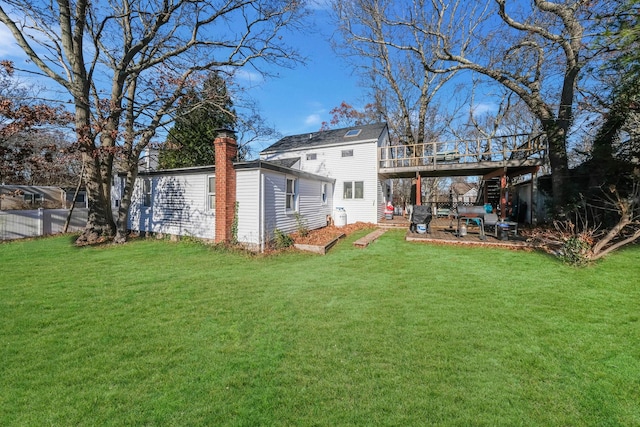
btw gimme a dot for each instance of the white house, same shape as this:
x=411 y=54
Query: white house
x=297 y=182
x=350 y=156
x=464 y=192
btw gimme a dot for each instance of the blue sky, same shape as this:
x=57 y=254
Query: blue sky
x=299 y=99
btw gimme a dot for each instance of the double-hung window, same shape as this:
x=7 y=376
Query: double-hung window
x=353 y=190
x=291 y=194
x=146 y=192
x=211 y=193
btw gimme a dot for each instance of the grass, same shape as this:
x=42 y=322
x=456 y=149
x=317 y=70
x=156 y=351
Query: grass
x=159 y=333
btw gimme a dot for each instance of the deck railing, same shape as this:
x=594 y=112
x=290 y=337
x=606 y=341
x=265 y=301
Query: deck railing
x=511 y=147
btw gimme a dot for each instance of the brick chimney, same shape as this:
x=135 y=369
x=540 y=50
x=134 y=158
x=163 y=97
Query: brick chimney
x=226 y=150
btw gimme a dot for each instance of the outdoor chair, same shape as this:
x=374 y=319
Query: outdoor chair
x=491 y=221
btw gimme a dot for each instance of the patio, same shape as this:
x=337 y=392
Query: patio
x=443 y=230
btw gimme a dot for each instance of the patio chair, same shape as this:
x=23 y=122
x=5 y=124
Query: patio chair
x=491 y=221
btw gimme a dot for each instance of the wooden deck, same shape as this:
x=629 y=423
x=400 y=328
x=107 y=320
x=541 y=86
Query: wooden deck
x=515 y=154
x=443 y=232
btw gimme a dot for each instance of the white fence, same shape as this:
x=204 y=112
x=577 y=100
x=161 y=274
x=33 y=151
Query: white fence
x=40 y=222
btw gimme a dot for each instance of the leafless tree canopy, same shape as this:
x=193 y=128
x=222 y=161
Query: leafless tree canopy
x=127 y=63
x=536 y=49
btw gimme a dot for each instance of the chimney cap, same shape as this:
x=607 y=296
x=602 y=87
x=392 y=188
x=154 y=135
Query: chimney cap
x=225 y=133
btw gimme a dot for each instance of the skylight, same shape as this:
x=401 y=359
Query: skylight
x=352 y=132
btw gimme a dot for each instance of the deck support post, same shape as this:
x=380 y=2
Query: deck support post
x=503 y=195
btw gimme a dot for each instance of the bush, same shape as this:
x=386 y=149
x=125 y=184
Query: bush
x=576 y=251
x=281 y=240
x=303 y=229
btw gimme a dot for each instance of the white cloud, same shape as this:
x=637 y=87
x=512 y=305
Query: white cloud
x=313 y=120
x=319 y=4
x=483 y=108
x=7 y=43
x=251 y=77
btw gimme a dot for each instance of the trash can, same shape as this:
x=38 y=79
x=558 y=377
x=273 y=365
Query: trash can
x=503 y=230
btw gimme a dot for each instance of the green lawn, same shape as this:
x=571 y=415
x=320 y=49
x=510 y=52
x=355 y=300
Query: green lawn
x=160 y=333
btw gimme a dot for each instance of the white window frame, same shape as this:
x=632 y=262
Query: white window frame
x=351 y=186
x=147 y=185
x=291 y=194
x=347 y=153
x=312 y=156
x=211 y=193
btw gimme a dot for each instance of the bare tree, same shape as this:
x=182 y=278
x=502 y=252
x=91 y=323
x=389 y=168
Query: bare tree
x=398 y=63
x=507 y=122
x=537 y=52
x=126 y=65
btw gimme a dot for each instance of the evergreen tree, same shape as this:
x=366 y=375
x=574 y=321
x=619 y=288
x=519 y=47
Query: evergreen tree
x=617 y=138
x=204 y=110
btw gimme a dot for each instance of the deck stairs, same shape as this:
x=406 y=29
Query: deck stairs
x=492 y=188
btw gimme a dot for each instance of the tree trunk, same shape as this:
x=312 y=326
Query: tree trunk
x=100 y=226
x=557 y=142
x=125 y=203
x=73 y=201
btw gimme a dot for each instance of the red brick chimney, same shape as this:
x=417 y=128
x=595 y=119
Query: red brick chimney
x=226 y=150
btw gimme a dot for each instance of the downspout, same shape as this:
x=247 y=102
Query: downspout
x=261 y=226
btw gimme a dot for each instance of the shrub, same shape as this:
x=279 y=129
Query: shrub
x=281 y=240
x=576 y=251
x=303 y=229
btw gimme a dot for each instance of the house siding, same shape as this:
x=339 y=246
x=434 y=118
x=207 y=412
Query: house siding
x=312 y=213
x=362 y=166
x=178 y=206
x=248 y=198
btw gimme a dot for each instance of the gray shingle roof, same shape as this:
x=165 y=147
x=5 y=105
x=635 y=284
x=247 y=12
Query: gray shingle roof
x=286 y=163
x=327 y=137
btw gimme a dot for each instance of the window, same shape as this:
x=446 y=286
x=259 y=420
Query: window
x=312 y=156
x=324 y=193
x=347 y=153
x=358 y=190
x=291 y=195
x=146 y=192
x=352 y=132
x=353 y=190
x=80 y=198
x=211 y=193
x=32 y=198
